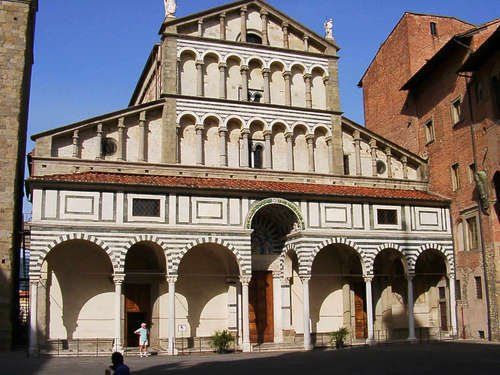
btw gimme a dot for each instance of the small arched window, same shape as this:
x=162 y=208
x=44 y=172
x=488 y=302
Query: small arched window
x=254 y=38
x=257 y=156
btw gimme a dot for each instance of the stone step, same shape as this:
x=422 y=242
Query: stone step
x=277 y=347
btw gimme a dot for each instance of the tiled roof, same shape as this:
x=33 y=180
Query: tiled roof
x=202 y=183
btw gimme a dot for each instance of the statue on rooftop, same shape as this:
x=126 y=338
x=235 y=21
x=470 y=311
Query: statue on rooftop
x=328 y=28
x=170 y=8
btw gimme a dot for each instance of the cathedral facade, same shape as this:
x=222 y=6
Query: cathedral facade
x=231 y=194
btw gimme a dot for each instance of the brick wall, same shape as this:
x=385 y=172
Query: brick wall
x=15 y=71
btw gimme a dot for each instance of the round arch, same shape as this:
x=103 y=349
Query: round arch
x=189 y=50
x=447 y=257
x=266 y=202
x=387 y=246
x=234 y=117
x=279 y=122
x=37 y=261
x=233 y=56
x=173 y=264
x=341 y=241
x=188 y=113
x=327 y=130
x=212 y=53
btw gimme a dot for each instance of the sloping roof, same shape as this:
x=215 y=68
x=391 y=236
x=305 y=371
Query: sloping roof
x=487 y=49
x=222 y=184
x=261 y=3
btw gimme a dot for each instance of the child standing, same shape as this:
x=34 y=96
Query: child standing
x=143 y=340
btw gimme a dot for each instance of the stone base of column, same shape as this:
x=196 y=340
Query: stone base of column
x=172 y=351
x=308 y=346
x=33 y=351
x=246 y=347
x=412 y=339
x=117 y=347
x=370 y=342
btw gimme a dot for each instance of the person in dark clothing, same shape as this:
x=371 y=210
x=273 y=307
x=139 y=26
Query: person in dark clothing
x=118 y=367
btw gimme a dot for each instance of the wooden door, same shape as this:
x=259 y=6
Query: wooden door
x=261 y=308
x=137 y=310
x=360 y=318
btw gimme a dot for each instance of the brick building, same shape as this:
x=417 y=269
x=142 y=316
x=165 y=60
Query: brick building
x=16 y=47
x=433 y=87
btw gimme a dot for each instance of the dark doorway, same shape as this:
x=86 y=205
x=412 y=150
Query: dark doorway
x=261 y=308
x=360 y=318
x=137 y=310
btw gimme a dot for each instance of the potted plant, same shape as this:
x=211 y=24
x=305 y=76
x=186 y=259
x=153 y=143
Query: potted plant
x=338 y=337
x=221 y=341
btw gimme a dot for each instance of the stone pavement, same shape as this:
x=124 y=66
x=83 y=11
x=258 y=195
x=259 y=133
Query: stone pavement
x=439 y=358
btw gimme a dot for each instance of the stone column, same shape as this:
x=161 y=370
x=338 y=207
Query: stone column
x=118 y=280
x=232 y=305
x=286 y=304
x=329 y=143
x=245 y=157
x=199 y=78
x=142 y=137
x=121 y=139
x=222 y=80
x=278 y=327
x=243 y=14
x=268 y=156
x=98 y=150
x=369 y=309
x=306 y=43
x=288 y=87
x=453 y=306
x=200 y=27
x=307 y=325
x=308 y=81
x=171 y=315
x=404 y=161
x=222 y=23
x=266 y=74
x=76 y=144
x=286 y=42
x=245 y=282
x=244 y=83
x=373 y=148
x=33 y=338
x=199 y=144
x=223 y=146
x=265 y=36
x=310 y=151
x=411 y=316
x=357 y=152
x=388 y=154
x=289 y=143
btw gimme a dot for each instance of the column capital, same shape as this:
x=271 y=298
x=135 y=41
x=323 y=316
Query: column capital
x=404 y=160
x=326 y=79
x=199 y=63
x=172 y=278
x=285 y=282
x=222 y=66
x=200 y=21
x=245 y=279
x=99 y=128
x=305 y=278
x=142 y=116
x=223 y=15
x=357 y=135
x=328 y=140
x=388 y=151
x=243 y=10
x=121 y=123
x=288 y=136
x=35 y=278
x=222 y=130
x=451 y=276
x=307 y=76
x=266 y=71
x=267 y=133
x=245 y=132
x=309 y=138
x=287 y=74
x=373 y=143
x=306 y=37
x=199 y=127
x=244 y=68
x=264 y=12
x=118 y=278
x=368 y=278
x=284 y=25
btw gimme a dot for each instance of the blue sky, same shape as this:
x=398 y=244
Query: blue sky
x=89 y=54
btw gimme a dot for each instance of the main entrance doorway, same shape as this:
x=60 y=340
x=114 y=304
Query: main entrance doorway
x=261 y=308
x=137 y=310
x=360 y=318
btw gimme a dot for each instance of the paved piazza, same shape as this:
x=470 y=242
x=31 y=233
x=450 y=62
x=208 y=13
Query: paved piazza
x=440 y=359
